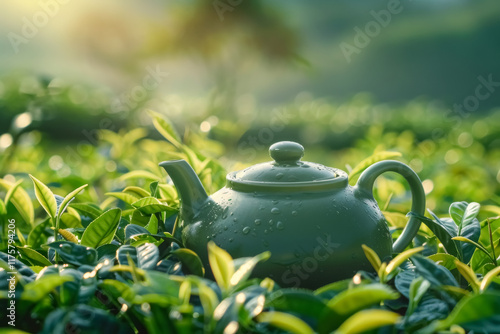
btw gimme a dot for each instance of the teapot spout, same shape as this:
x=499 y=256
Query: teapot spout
x=191 y=191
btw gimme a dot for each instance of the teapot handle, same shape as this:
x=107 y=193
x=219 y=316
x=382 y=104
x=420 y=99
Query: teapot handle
x=365 y=184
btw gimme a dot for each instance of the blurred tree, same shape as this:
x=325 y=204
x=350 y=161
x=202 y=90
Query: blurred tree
x=226 y=36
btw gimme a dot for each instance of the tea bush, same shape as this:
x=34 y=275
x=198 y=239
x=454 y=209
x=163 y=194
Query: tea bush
x=90 y=246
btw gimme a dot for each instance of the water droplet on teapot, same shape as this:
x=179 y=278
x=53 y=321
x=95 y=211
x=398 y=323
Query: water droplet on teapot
x=275 y=201
x=214 y=235
x=246 y=230
x=280 y=226
x=224 y=217
x=266 y=231
x=261 y=207
x=235 y=220
x=232 y=213
x=257 y=221
x=231 y=239
x=275 y=211
x=271 y=222
x=294 y=213
x=279 y=176
x=318 y=227
x=208 y=237
x=271 y=229
x=225 y=228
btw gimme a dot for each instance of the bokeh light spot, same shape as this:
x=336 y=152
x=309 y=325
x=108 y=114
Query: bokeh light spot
x=205 y=126
x=5 y=141
x=465 y=139
x=428 y=186
x=451 y=157
x=23 y=120
x=56 y=162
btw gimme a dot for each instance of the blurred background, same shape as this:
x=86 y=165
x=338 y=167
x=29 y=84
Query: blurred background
x=346 y=79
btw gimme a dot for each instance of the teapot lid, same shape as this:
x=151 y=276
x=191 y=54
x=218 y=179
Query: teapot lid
x=287 y=172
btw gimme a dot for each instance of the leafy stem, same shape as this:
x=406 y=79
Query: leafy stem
x=491 y=243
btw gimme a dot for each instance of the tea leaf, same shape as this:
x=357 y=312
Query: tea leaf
x=445 y=260
x=11 y=191
x=442 y=233
x=133 y=230
x=376 y=157
x=45 y=197
x=190 y=260
x=152 y=225
x=436 y=274
x=286 y=322
x=36 y=237
x=478 y=246
x=136 y=191
x=151 y=205
x=472 y=231
x=21 y=201
x=68 y=235
x=372 y=257
x=402 y=257
x=139 y=174
x=351 y=300
x=364 y=321
x=476 y=312
x=70 y=219
x=208 y=298
x=153 y=186
x=68 y=199
x=74 y=254
x=37 y=290
x=488 y=278
x=244 y=271
x=418 y=288
x=221 y=264
x=463 y=213
x=468 y=274
x=125 y=197
x=89 y=210
x=165 y=128
x=33 y=257
x=102 y=230
x=297 y=301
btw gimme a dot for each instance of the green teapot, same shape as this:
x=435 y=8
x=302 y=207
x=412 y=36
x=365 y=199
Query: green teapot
x=307 y=215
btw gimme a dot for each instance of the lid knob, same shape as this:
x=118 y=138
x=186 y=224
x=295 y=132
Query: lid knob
x=286 y=152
